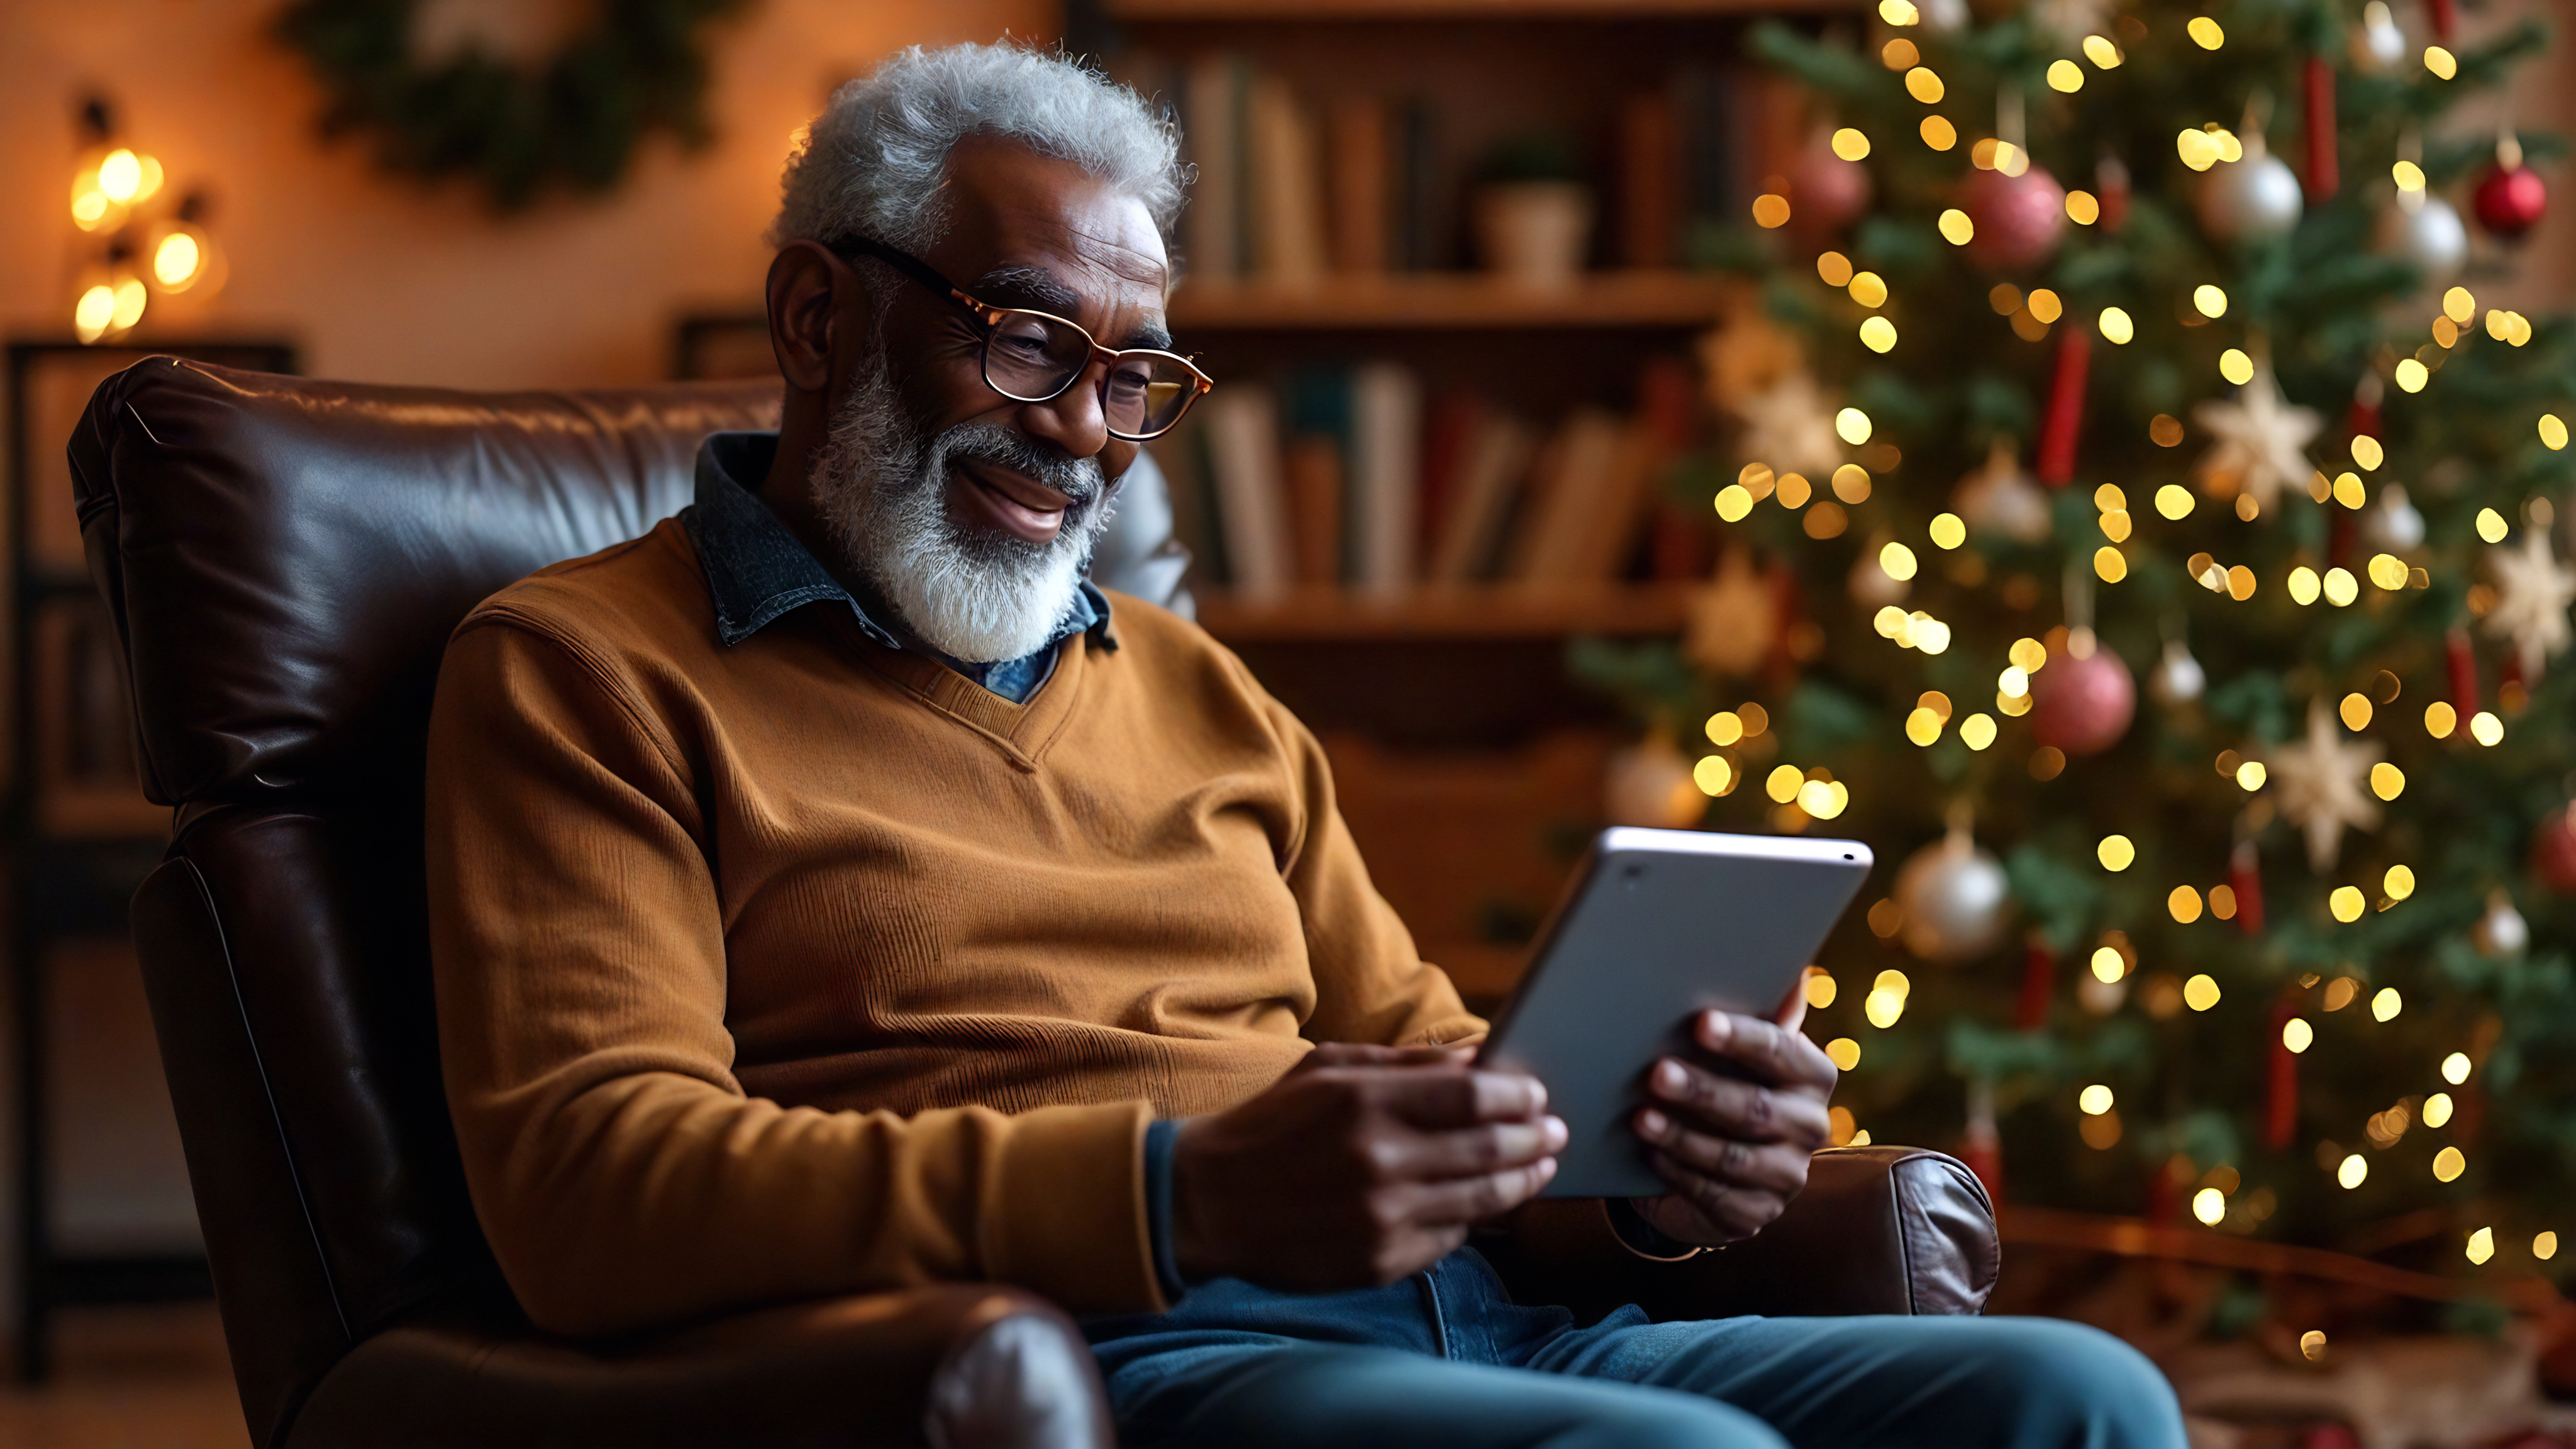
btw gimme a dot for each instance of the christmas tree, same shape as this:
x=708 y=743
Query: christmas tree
x=2135 y=527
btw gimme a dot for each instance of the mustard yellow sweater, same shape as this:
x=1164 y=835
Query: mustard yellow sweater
x=808 y=966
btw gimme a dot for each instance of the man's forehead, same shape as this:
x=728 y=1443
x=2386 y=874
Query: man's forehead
x=1011 y=207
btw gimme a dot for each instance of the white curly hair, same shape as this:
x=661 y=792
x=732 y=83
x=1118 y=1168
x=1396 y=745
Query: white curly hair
x=874 y=163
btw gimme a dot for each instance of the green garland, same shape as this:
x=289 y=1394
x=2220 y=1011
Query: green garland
x=572 y=122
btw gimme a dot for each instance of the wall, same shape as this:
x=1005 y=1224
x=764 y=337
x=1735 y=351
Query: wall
x=383 y=281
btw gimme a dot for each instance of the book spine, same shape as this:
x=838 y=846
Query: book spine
x=1315 y=483
x=1650 y=180
x=1212 y=104
x=1243 y=454
x=1386 y=450
x=1286 y=187
x=1360 y=186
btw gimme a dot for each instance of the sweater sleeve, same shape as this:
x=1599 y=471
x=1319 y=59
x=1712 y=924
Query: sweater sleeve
x=622 y=1174
x=1371 y=985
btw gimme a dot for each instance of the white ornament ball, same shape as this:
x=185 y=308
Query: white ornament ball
x=2101 y=997
x=2501 y=931
x=2392 y=524
x=1649 y=783
x=1873 y=587
x=2431 y=235
x=1955 y=898
x=2255 y=199
x=2000 y=500
x=2378 y=46
x=2178 y=678
x=1945 y=15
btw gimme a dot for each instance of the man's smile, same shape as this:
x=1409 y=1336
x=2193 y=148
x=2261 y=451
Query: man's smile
x=1010 y=501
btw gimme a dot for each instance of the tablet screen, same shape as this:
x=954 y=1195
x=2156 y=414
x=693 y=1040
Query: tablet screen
x=1657 y=925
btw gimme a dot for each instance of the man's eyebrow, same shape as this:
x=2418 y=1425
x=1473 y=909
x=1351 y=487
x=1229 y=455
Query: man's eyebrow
x=1025 y=287
x=1035 y=287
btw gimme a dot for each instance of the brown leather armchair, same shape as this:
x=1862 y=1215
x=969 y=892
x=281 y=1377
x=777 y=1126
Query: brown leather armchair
x=284 y=560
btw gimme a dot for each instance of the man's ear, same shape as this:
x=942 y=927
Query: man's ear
x=805 y=283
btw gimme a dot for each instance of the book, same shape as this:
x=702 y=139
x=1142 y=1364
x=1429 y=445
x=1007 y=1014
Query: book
x=1551 y=540
x=1414 y=191
x=1447 y=435
x=1650 y=180
x=1212 y=113
x=1386 y=474
x=1252 y=513
x=1286 y=185
x=1498 y=460
x=1313 y=468
x=1182 y=455
x=1358 y=175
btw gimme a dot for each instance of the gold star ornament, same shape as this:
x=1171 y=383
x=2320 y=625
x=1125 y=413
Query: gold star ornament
x=2321 y=785
x=2533 y=590
x=2262 y=442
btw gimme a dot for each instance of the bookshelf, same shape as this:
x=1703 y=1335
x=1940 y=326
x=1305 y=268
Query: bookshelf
x=1319 y=614
x=1382 y=10
x=1470 y=301
x=1341 y=232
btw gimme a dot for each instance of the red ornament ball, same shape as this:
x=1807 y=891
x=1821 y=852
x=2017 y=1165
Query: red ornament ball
x=2019 y=219
x=2553 y=851
x=2082 y=705
x=2510 y=200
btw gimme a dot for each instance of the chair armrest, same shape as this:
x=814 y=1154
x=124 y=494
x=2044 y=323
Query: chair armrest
x=961 y=1366
x=1878 y=1230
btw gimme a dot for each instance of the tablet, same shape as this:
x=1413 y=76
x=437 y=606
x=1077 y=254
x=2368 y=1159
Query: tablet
x=1656 y=925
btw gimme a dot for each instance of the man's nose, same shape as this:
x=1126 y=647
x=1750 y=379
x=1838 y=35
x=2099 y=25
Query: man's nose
x=1074 y=421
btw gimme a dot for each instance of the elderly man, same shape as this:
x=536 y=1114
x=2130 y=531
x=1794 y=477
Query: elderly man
x=834 y=890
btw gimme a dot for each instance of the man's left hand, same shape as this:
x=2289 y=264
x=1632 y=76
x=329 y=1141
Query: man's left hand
x=1735 y=1150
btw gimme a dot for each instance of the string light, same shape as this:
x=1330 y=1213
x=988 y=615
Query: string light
x=2297 y=1035
x=1713 y=775
x=2481 y=1246
x=2491 y=525
x=1844 y=1051
x=2200 y=993
x=2116 y=852
x=2209 y=1205
x=2455 y=1068
x=1924 y=86
x=2437 y=1110
x=2352 y=1172
x=2099 y=50
x=2205 y=33
x=1850 y=144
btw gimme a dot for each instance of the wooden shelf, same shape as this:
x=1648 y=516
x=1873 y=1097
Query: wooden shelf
x=1458 y=301
x=1149 y=10
x=1496 y=611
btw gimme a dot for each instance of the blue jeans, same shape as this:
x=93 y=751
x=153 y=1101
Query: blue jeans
x=1446 y=1358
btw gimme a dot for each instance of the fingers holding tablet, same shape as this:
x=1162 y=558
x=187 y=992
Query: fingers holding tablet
x=1782 y=1056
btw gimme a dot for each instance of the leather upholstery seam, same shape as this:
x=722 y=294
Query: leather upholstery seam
x=268 y=1091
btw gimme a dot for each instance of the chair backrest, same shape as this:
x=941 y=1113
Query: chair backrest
x=284 y=560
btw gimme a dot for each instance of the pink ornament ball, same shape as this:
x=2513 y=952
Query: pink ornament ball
x=2019 y=219
x=2082 y=706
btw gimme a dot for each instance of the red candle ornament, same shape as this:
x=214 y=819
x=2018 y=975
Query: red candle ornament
x=2463 y=661
x=2281 y=1102
x=2065 y=415
x=2325 y=173
x=2038 y=984
x=2111 y=184
x=2443 y=18
x=2553 y=851
x=2245 y=878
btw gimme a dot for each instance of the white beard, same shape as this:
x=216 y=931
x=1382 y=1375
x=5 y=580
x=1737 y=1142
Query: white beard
x=974 y=595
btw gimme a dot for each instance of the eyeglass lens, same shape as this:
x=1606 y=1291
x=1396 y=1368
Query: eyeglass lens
x=1033 y=357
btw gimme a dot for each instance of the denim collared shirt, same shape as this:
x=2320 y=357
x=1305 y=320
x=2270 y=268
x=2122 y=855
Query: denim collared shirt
x=757 y=571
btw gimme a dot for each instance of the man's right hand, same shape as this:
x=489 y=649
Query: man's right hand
x=1360 y=1166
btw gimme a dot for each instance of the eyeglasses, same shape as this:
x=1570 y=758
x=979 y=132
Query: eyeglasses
x=1037 y=357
